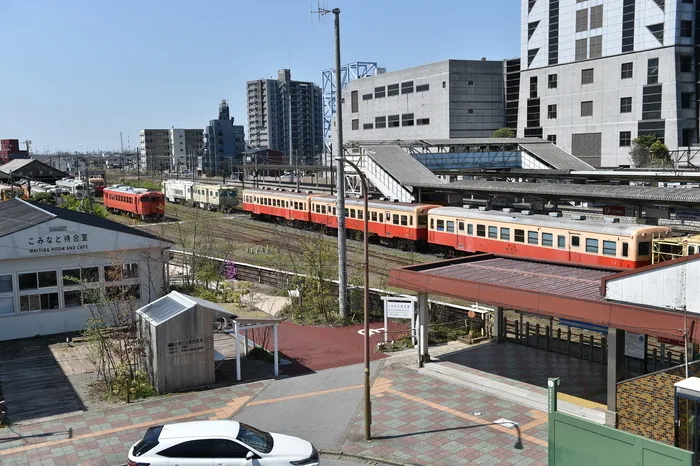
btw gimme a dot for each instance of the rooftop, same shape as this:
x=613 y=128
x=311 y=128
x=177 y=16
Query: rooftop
x=400 y=164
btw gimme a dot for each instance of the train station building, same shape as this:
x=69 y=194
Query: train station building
x=59 y=267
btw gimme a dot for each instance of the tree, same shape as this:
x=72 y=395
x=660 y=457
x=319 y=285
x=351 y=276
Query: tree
x=503 y=133
x=42 y=198
x=84 y=205
x=647 y=150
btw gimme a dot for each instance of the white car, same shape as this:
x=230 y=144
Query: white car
x=219 y=443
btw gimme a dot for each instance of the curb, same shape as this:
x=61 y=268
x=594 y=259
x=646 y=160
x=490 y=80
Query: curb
x=365 y=458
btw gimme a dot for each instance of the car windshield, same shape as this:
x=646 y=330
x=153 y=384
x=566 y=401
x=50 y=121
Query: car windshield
x=149 y=441
x=255 y=438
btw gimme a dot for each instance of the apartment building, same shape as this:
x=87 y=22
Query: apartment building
x=225 y=142
x=169 y=149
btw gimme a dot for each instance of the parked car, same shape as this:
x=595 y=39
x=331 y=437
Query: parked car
x=227 y=443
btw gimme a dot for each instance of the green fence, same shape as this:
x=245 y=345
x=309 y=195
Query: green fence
x=577 y=442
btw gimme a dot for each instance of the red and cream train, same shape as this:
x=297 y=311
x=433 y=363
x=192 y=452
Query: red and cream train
x=590 y=242
x=135 y=202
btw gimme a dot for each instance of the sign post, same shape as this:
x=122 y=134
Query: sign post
x=398 y=308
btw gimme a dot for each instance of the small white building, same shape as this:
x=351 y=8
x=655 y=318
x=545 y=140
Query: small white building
x=54 y=262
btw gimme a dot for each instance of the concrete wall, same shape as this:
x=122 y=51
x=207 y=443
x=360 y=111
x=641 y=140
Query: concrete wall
x=645 y=404
x=477 y=102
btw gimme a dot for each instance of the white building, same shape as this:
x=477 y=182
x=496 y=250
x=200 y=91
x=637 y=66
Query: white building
x=55 y=262
x=596 y=74
x=447 y=99
x=168 y=149
x=185 y=146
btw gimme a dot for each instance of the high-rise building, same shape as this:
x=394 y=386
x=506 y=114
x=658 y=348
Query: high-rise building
x=597 y=74
x=185 y=148
x=286 y=115
x=225 y=142
x=447 y=99
x=169 y=149
x=154 y=149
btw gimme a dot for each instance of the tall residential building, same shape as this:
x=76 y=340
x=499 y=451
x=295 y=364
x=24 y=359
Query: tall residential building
x=286 y=115
x=169 y=149
x=225 y=142
x=185 y=147
x=447 y=99
x=597 y=74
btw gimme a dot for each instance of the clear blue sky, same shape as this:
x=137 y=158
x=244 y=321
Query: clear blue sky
x=80 y=71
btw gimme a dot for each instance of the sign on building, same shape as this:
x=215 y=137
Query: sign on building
x=635 y=345
x=398 y=308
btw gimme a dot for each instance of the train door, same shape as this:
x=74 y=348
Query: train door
x=575 y=249
x=461 y=234
x=387 y=223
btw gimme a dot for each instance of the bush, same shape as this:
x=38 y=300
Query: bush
x=262 y=354
x=442 y=333
x=139 y=386
x=503 y=133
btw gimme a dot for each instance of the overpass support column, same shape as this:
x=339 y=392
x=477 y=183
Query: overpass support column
x=499 y=330
x=616 y=356
x=422 y=329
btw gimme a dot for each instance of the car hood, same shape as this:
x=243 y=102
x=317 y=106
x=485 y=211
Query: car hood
x=285 y=445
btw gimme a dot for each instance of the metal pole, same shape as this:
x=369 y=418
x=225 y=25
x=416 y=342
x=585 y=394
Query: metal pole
x=340 y=178
x=685 y=337
x=365 y=264
x=296 y=155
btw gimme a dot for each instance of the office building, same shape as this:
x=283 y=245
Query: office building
x=170 y=149
x=286 y=115
x=186 y=145
x=597 y=74
x=225 y=142
x=154 y=149
x=9 y=150
x=447 y=99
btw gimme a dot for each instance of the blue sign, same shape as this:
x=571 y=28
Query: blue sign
x=583 y=325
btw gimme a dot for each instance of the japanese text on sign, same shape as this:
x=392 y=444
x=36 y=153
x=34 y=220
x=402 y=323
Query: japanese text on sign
x=58 y=243
x=399 y=309
x=194 y=345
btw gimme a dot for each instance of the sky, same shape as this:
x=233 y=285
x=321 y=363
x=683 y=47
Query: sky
x=76 y=73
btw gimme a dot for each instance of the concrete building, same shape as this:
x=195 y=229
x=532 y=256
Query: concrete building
x=596 y=75
x=447 y=99
x=154 y=149
x=9 y=150
x=225 y=142
x=286 y=115
x=59 y=267
x=185 y=146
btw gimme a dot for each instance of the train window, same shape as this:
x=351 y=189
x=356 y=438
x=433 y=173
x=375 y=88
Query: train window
x=493 y=232
x=533 y=238
x=323 y=209
x=333 y=210
x=691 y=249
x=609 y=248
x=346 y=212
x=505 y=234
x=450 y=226
x=373 y=216
x=470 y=229
x=547 y=240
x=643 y=248
x=381 y=218
x=360 y=214
x=460 y=226
x=592 y=245
x=404 y=221
x=561 y=242
x=352 y=213
x=395 y=219
x=520 y=236
x=432 y=224
x=440 y=225
x=625 y=249
x=410 y=220
x=481 y=230
x=575 y=241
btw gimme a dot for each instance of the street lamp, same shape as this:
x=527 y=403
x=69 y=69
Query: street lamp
x=365 y=265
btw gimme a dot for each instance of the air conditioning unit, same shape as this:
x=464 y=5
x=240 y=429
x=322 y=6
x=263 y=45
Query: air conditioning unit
x=555 y=214
x=578 y=217
x=527 y=212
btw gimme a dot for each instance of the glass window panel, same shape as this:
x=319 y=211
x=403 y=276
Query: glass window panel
x=533 y=237
x=7 y=306
x=547 y=239
x=6 y=284
x=505 y=234
x=28 y=281
x=592 y=245
x=72 y=298
x=71 y=277
x=493 y=232
x=609 y=248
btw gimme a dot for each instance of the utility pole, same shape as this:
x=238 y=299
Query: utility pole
x=296 y=156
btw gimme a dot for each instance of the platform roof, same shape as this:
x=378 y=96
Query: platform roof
x=537 y=287
x=402 y=166
x=554 y=156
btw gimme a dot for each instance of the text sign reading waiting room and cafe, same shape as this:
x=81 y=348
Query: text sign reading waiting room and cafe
x=56 y=241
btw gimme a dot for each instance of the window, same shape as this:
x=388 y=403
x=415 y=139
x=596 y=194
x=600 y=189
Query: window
x=653 y=71
x=381 y=218
x=423 y=121
x=36 y=280
x=643 y=248
x=352 y=213
x=551 y=112
x=625 y=249
x=422 y=87
x=587 y=108
x=222 y=448
x=360 y=214
x=547 y=240
x=407 y=87
x=470 y=111
x=379 y=92
x=355 y=124
x=625 y=138
x=470 y=83
x=440 y=225
x=686 y=99
x=122 y=292
x=575 y=241
x=191 y=449
x=470 y=229
x=394 y=219
x=561 y=242
x=7 y=296
x=533 y=87
x=366 y=96
x=407 y=119
x=460 y=226
x=254 y=438
x=519 y=236
x=353 y=102
x=367 y=126
x=72 y=277
x=121 y=272
x=481 y=230
x=627 y=70
x=581 y=52
x=505 y=234
x=392 y=89
x=380 y=122
x=582 y=20
x=552 y=138
x=393 y=121
x=444 y=84
x=373 y=216
x=609 y=248
x=686 y=63
x=596 y=16
x=626 y=105
x=596 y=47
x=450 y=226
x=686 y=28
x=552 y=81
x=533 y=238
x=404 y=221
x=423 y=220
x=587 y=76
x=592 y=245
x=493 y=232
x=38 y=302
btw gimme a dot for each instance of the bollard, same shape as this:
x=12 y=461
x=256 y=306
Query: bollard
x=527 y=333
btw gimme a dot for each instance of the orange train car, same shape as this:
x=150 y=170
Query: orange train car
x=141 y=203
